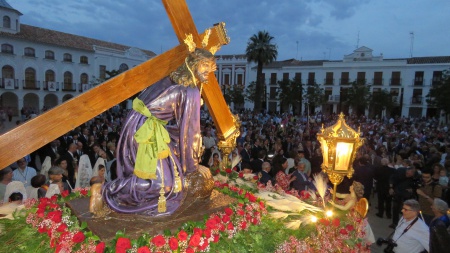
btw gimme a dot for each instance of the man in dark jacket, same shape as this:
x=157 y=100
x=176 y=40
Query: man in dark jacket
x=382 y=176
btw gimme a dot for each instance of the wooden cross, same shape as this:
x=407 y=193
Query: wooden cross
x=45 y=128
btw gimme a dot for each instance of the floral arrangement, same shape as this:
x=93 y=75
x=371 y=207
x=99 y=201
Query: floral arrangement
x=49 y=217
x=332 y=234
x=241 y=227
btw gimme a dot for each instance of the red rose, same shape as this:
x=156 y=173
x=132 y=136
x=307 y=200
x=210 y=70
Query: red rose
x=195 y=240
x=159 y=240
x=255 y=221
x=42 y=229
x=78 y=237
x=100 y=247
x=324 y=222
x=244 y=225
x=241 y=174
x=251 y=197
x=55 y=216
x=198 y=231
x=65 y=193
x=240 y=212
x=230 y=226
x=225 y=218
x=204 y=245
x=217 y=171
x=49 y=233
x=216 y=238
x=123 y=244
x=83 y=192
x=221 y=227
x=336 y=222
x=217 y=219
x=261 y=205
x=207 y=232
x=343 y=231
x=173 y=243
x=211 y=223
x=54 y=198
x=189 y=250
x=228 y=211
x=255 y=178
x=228 y=170
x=349 y=227
x=143 y=249
x=182 y=236
x=62 y=227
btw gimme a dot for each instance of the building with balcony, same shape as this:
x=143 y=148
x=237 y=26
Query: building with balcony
x=43 y=68
x=408 y=80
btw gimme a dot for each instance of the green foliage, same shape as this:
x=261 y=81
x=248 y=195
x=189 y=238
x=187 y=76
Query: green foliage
x=380 y=101
x=290 y=93
x=358 y=97
x=439 y=93
x=260 y=50
x=259 y=239
x=15 y=232
x=315 y=95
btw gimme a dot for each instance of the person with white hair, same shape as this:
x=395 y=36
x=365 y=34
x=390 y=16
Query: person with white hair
x=439 y=234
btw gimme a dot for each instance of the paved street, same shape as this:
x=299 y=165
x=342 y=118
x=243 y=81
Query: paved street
x=379 y=225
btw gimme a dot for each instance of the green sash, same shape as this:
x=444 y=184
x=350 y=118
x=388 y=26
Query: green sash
x=152 y=138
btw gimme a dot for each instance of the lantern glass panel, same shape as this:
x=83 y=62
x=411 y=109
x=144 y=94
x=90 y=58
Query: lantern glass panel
x=324 y=147
x=343 y=155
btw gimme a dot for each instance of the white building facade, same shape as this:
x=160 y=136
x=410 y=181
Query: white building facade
x=43 y=68
x=408 y=80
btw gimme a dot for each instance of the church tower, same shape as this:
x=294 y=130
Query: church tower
x=9 y=18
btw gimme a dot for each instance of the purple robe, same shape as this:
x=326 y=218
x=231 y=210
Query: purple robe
x=180 y=106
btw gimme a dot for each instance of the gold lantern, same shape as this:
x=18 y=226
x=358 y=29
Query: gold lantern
x=339 y=144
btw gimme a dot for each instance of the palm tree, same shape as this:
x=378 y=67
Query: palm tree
x=262 y=51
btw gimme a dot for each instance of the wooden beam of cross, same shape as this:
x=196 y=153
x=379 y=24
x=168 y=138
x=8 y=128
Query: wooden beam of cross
x=45 y=128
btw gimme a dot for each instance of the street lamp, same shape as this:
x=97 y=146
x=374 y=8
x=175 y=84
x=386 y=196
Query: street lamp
x=339 y=144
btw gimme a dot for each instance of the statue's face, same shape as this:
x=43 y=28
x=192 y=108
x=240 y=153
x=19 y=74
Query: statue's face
x=204 y=68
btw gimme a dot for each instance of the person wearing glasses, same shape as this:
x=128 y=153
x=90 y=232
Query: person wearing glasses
x=23 y=173
x=411 y=234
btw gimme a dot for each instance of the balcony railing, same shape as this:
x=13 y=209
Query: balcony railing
x=417 y=100
x=395 y=81
x=311 y=81
x=435 y=81
x=417 y=82
x=9 y=83
x=361 y=81
x=334 y=98
x=31 y=85
x=344 y=81
x=328 y=81
x=69 y=86
x=378 y=81
x=51 y=86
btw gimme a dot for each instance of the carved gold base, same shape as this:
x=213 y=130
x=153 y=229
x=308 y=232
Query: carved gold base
x=335 y=179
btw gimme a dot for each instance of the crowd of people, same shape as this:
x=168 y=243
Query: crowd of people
x=401 y=159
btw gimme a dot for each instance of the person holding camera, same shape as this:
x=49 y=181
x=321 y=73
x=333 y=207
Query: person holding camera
x=411 y=234
x=401 y=185
x=428 y=190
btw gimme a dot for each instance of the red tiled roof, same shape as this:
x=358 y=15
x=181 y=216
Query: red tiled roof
x=428 y=60
x=46 y=36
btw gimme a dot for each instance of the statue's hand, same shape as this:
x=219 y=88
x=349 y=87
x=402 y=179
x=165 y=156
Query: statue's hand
x=206 y=173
